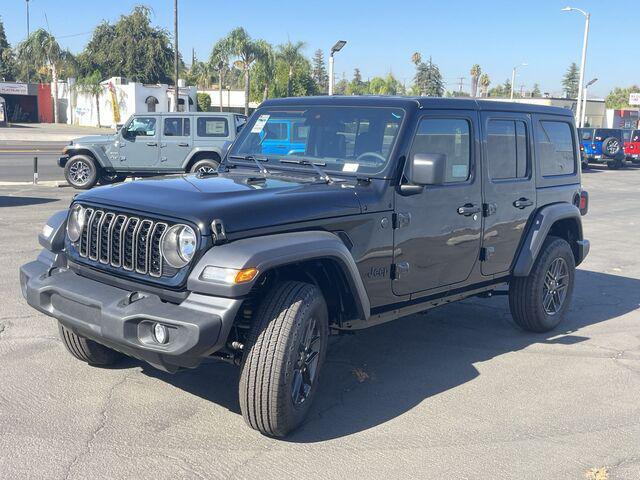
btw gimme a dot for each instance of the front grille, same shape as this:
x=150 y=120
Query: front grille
x=125 y=242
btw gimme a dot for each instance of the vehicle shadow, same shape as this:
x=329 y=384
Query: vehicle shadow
x=24 y=201
x=381 y=373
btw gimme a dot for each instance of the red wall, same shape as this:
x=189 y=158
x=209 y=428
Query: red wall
x=45 y=103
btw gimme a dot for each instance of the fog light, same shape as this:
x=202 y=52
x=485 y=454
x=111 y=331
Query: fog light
x=160 y=333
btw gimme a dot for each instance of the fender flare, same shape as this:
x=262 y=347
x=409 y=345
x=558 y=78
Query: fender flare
x=538 y=231
x=219 y=151
x=100 y=159
x=271 y=251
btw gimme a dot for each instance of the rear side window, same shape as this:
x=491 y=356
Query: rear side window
x=586 y=135
x=555 y=148
x=635 y=136
x=507 y=149
x=448 y=136
x=176 y=127
x=275 y=131
x=212 y=127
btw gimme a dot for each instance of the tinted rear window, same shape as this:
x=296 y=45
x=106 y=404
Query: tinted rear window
x=635 y=136
x=602 y=133
x=555 y=148
x=585 y=134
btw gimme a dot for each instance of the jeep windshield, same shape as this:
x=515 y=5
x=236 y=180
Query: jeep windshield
x=339 y=139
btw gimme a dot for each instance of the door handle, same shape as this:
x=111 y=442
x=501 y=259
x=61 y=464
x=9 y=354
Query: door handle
x=469 y=209
x=183 y=144
x=152 y=144
x=522 y=203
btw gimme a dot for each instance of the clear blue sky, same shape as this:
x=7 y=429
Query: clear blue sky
x=382 y=35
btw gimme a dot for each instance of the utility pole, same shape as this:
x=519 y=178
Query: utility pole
x=460 y=83
x=28 y=31
x=177 y=57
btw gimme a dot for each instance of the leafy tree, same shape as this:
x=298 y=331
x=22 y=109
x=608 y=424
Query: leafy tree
x=427 y=80
x=200 y=74
x=484 y=81
x=131 y=48
x=42 y=51
x=535 y=92
x=570 y=81
x=219 y=61
x=385 y=86
x=247 y=51
x=319 y=71
x=501 y=91
x=357 y=86
x=204 y=102
x=264 y=70
x=91 y=85
x=291 y=54
x=619 y=97
x=341 y=87
x=7 y=61
x=475 y=72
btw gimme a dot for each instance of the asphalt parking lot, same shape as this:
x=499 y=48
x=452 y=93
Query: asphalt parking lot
x=459 y=393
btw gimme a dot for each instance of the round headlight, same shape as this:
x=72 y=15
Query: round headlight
x=179 y=245
x=75 y=222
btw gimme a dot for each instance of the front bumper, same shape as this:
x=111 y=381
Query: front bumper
x=123 y=320
x=62 y=160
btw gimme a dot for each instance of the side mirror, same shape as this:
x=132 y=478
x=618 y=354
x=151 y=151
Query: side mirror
x=427 y=169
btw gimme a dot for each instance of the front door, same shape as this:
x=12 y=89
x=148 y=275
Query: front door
x=139 y=147
x=176 y=142
x=437 y=231
x=509 y=187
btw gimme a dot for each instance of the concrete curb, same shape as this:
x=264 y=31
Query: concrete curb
x=42 y=183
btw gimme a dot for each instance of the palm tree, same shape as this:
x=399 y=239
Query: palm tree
x=247 y=51
x=267 y=61
x=91 y=86
x=291 y=54
x=485 y=81
x=42 y=51
x=219 y=60
x=475 y=75
x=416 y=58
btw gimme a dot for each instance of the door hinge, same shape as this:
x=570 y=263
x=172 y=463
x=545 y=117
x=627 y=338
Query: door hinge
x=399 y=269
x=489 y=209
x=400 y=220
x=486 y=253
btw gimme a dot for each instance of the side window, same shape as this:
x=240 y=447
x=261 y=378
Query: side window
x=142 y=127
x=555 y=148
x=507 y=149
x=212 y=127
x=275 y=131
x=176 y=127
x=186 y=127
x=448 y=136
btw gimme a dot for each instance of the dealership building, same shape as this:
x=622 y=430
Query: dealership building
x=26 y=102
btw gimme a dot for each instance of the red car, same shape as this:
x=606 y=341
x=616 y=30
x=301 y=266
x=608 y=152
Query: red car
x=632 y=145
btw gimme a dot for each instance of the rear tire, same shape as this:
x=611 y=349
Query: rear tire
x=283 y=357
x=87 y=350
x=615 y=165
x=81 y=172
x=205 y=166
x=539 y=301
x=110 y=178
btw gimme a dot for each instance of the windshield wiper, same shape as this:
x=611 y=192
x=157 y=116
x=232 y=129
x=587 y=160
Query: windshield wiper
x=316 y=166
x=256 y=160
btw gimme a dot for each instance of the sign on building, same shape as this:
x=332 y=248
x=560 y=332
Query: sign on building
x=14 y=88
x=634 y=99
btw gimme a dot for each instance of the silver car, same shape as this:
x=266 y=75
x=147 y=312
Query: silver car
x=152 y=144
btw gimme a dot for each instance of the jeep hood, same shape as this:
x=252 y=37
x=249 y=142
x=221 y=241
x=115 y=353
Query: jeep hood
x=241 y=201
x=93 y=139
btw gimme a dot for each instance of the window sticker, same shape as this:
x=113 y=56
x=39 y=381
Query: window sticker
x=350 y=167
x=260 y=123
x=459 y=171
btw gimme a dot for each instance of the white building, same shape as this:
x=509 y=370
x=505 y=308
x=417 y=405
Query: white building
x=121 y=99
x=232 y=100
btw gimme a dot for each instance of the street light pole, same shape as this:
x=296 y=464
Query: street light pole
x=176 y=59
x=583 y=114
x=28 y=31
x=336 y=48
x=583 y=62
x=513 y=77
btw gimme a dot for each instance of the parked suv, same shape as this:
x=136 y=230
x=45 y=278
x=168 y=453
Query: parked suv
x=603 y=145
x=393 y=206
x=151 y=144
x=632 y=146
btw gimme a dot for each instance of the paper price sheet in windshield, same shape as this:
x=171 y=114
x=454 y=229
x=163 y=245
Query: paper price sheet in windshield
x=260 y=123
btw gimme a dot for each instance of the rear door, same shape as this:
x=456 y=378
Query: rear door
x=509 y=187
x=176 y=141
x=140 y=148
x=436 y=243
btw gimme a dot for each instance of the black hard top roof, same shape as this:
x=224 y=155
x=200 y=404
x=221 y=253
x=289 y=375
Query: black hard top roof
x=435 y=103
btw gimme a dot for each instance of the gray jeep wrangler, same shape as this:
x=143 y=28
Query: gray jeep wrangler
x=374 y=209
x=151 y=144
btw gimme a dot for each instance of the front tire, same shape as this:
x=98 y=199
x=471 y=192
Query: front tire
x=205 y=167
x=283 y=357
x=615 y=165
x=540 y=301
x=81 y=172
x=87 y=350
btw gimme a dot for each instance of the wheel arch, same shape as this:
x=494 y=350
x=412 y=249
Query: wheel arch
x=90 y=152
x=562 y=220
x=317 y=257
x=201 y=155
